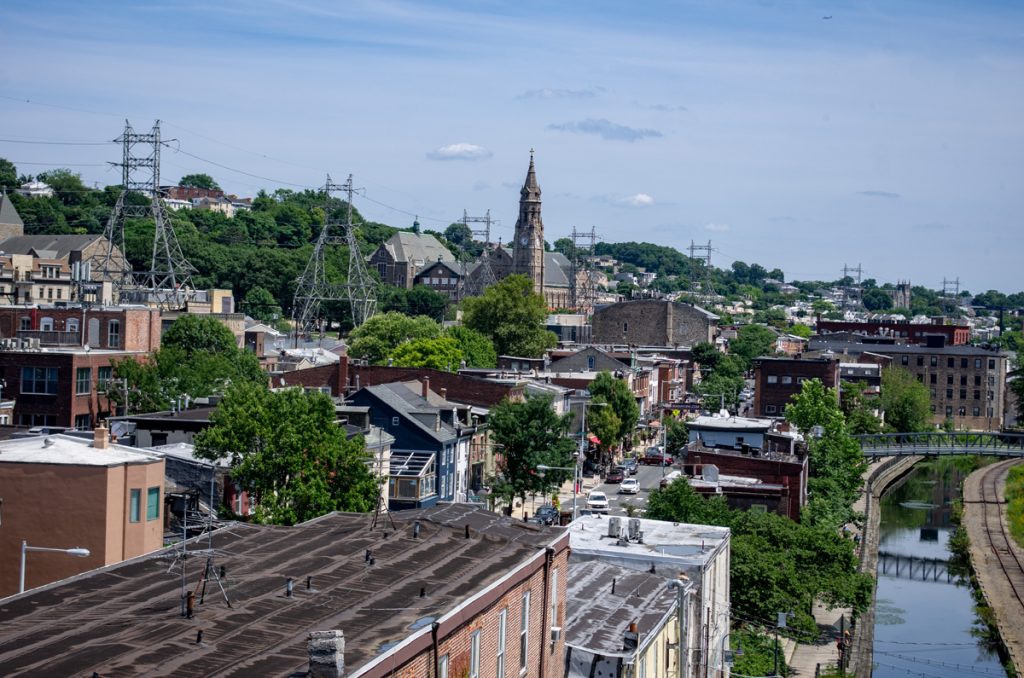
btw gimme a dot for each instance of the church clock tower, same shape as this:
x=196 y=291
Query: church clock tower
x=528 y=248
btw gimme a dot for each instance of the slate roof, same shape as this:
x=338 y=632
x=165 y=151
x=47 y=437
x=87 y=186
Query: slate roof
x=402 y=398
x=124 y=619
x=411 y=247
x=56 y=246
x=8 y=214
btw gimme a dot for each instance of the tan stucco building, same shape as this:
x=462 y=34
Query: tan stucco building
x=65 y=492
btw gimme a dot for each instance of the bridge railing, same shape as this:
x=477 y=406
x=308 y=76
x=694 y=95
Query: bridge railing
x=942 y=442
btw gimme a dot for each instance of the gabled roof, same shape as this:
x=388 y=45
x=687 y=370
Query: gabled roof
x=54 y=246
x=452 y=266
x=402 y=399
x=409 y=247
x=8 y=214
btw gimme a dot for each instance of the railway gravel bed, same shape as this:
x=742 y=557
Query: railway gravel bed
x=997 y=560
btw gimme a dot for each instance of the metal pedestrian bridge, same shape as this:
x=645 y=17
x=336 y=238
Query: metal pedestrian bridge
x=991 y=443
x=914 y=567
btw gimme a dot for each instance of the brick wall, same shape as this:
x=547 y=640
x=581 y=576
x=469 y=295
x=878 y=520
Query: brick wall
x=140 y=327
x=651 y=322
x=460 y=388
x=913 y=333
x=776 y=380
x=543 y=658
x=791 y=474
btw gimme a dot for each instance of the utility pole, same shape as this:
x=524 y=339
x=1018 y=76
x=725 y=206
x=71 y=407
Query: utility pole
x=169 y=278
x=312 y=288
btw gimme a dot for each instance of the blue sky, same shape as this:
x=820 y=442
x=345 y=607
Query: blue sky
x=889 y=135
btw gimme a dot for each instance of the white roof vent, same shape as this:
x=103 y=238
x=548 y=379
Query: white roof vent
x=47 y=442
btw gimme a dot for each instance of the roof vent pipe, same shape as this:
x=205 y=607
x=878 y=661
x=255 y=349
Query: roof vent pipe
x=426 y=386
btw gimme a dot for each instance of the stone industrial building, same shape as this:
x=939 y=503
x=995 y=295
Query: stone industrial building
x=447 y=591
x=653 y=322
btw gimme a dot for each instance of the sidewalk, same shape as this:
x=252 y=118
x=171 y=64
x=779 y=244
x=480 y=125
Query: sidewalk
x=564 y=498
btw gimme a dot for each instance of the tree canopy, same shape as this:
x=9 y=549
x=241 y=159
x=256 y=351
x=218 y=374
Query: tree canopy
x=287 y=451
x=906 y=402
x=512 y=315
x=199 y=181
x=529 y=433
x=620 y=399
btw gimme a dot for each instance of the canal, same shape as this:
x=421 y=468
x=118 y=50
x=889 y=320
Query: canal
x=925 y=624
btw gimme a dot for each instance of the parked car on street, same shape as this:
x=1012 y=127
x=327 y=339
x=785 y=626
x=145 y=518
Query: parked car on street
x=629 y=466
x=629 y=486
x=655 y=456
x=544 y=515
x=616 y=475
x=597 y=502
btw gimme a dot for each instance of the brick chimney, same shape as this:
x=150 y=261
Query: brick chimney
x=326 y=654
x=426 y=386
x=100 y=439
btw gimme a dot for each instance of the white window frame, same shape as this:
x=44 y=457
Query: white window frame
x=772 y=379
x=553 y=612
x=474 y=654
x=524 y=634
x=500 y=655
x=442 y=667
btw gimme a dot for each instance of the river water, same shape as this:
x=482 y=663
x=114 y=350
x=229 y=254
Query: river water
x=924 y=616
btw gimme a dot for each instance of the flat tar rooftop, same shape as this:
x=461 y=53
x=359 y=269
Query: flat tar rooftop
x=125 y=619
x=664 y=544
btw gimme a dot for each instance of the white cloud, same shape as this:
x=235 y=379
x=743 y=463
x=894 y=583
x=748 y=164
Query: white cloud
x=637 y=200
x=462 y=151
x=717 y=228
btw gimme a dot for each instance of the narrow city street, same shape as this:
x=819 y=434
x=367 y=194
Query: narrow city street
x=648 y=477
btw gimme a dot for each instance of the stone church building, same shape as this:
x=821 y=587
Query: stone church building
x=550 y=272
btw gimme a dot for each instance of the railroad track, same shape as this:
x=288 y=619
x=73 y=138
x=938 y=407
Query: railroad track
x=992 y=486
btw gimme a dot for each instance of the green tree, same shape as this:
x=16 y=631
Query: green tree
x=706 y=355
x=8 y=175
x=380 y=335
x=422 y=300
x=800 y=330
x=529 y=433
x=287 y=450
x=905 y=401
x=858 y=409
x=511 y=314
x=752 y=341
x=720 y=389
x=877 y=300
x=460 y=235
x=606 y=388
x=677 y=437
x=199 y=181
x=1016 y=386
x=192 y=333
x=261 y=305
x=477 y=350
x=440 y=353
x=606 y=425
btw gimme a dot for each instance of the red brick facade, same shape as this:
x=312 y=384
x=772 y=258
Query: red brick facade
x=119 y=329
x=455 y=631
x=69 y=402
x=790 y=473
x=776 y=380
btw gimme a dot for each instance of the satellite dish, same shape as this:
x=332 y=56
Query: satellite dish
x=87 y=348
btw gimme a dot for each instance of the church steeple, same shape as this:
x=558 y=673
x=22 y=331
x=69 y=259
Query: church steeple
x=531 y=190
x=528 y=252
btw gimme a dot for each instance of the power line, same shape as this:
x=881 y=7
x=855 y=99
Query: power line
x=63 y=164
x=233 y=169
x=58 y=143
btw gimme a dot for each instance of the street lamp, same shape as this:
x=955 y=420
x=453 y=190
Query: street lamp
x=77 y=552
x=543 y=468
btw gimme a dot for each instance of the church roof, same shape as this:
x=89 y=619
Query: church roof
x=9 y=215
x=418 y=248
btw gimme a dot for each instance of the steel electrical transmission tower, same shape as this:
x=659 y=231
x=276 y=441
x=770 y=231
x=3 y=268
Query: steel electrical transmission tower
x=584 y=291
x=852 y=293
x=483 y=276
x=707 y=289
x=312 y=288
x=168 y=281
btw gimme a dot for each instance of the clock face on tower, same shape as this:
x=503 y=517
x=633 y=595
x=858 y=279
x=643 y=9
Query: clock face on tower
x=523 y=240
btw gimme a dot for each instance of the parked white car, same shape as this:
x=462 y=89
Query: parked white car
x=597 y=501
x=629 y=486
